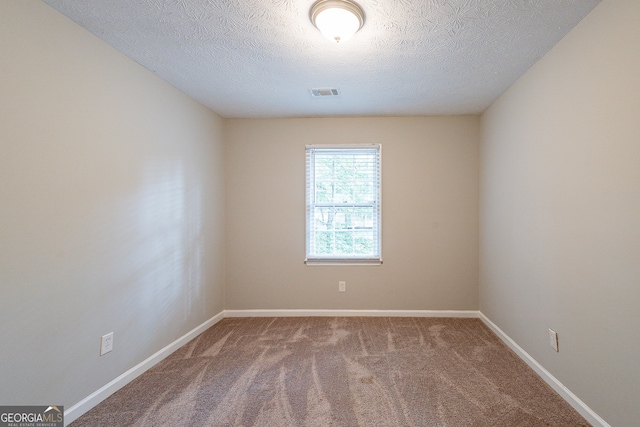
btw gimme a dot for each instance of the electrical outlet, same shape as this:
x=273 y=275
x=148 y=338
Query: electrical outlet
x=342 y=286
x=106 y=343
x=553 y=339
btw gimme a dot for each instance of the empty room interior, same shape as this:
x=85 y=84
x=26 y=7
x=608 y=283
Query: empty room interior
x=154 y=170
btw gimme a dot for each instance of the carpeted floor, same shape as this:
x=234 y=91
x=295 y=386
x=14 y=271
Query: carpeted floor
x=328 y=371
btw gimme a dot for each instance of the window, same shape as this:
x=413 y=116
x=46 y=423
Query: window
x=343 y=204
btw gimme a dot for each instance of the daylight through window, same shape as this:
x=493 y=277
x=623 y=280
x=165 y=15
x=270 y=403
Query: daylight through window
x=343 y=204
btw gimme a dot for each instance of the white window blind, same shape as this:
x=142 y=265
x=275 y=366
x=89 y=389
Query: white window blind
x=343 y=204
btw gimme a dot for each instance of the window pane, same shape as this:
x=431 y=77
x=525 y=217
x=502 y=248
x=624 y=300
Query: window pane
x=341 y=217
x=347 y=178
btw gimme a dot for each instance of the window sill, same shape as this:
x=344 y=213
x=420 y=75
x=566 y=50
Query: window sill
x=340 y=262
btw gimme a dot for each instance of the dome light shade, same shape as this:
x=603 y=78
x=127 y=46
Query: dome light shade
x=337 y=20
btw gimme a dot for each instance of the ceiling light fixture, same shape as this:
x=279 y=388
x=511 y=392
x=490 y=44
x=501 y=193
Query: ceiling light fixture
x=337 y=20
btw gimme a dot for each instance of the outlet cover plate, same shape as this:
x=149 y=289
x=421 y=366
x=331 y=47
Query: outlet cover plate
x=106 y=343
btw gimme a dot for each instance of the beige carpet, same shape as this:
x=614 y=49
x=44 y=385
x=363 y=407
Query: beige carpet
x=327 y=371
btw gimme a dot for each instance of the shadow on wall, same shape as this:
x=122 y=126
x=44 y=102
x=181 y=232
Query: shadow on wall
x=162 y=248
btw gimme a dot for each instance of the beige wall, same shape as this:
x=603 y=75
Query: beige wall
x=111 y=209
x=560 y=211
x=429 y=210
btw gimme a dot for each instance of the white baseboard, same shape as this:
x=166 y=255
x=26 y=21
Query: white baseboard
x=352 y=313
x=80 y=408
x=563 y=391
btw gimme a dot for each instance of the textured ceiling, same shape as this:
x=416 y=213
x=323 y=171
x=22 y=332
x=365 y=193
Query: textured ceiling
x=259 y=58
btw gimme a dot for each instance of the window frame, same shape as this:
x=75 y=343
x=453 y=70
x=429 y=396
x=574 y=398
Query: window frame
x=314 y=259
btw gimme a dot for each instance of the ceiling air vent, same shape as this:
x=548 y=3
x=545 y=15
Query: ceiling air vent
x=327 y=91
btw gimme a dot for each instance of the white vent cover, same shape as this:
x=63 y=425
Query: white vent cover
x=326 y=91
